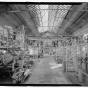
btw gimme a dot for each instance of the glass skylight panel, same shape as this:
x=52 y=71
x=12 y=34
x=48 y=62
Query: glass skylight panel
x=43 y=17
x=64 y=7
x=61 y=13
x=42 y=29
x=50 y=16
x=55 y=7
x=57 y=23
x=44 y=7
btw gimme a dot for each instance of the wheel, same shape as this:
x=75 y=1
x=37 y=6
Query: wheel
x=14 y=81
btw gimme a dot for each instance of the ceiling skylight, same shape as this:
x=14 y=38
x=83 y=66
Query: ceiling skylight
x=57 y=17
x=43 y=17
x=50 y=16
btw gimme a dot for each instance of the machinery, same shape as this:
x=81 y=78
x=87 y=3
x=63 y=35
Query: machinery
x=13 y=59
x=18 y=52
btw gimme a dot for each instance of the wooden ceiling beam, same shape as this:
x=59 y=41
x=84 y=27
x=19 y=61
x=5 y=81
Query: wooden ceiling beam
x=80 y=8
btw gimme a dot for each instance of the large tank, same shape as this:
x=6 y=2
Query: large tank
x=7 y=58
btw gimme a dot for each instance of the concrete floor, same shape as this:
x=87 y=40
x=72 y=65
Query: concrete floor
x=43 y=74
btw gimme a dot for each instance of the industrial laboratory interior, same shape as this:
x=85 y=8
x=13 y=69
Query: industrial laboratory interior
x=44 y=43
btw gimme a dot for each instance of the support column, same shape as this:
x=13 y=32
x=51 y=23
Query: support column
x=80 y=76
